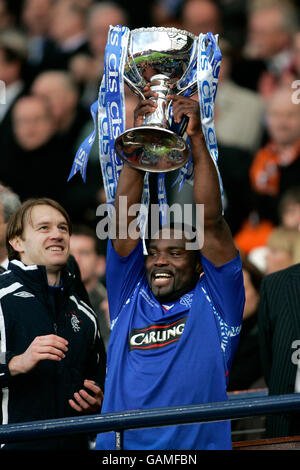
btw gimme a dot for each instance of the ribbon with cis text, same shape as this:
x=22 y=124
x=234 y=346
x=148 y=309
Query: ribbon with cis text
x=205 y=68
x=82 y=154
x=208 y=68
x=111 y=118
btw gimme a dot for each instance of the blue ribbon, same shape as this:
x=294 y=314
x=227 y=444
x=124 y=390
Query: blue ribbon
x=83 y=152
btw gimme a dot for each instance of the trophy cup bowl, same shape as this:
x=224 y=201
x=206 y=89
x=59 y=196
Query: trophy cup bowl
x=166 y=57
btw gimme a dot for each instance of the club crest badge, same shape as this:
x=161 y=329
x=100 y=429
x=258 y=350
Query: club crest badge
x=75 y=322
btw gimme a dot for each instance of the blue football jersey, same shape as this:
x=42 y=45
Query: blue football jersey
x=173 y=354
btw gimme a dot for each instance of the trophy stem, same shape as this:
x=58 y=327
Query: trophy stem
x=159 y=117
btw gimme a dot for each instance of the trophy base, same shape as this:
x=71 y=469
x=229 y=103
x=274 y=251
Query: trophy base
x=152 y=148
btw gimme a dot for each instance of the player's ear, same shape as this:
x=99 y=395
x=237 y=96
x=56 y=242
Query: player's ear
x=17 y=244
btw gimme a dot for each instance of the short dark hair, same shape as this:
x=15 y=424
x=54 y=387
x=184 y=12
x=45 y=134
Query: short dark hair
x=16 y=223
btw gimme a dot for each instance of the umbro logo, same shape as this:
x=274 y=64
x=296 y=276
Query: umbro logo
x=23 y=294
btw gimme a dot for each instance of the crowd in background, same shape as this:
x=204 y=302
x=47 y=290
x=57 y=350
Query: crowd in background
x=51 y=62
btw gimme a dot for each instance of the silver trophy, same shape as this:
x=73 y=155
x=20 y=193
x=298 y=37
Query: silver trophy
x=168 y=57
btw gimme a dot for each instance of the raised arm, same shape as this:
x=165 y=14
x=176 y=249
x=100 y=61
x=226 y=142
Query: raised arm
x=218 y=244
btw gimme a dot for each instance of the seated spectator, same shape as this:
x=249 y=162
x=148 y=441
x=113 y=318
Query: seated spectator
x=239 y=111
x=271 y=27
x=70 y=117
x=275 y=167
x=201 y=16
x=13 y=56
x=67 y=33
x=289 y=208
x=9 y=203
x=35 y=22
x=292 y=71
x=60 y=90
x=253 y=238
x=9 y=13
x=84 y=246
x=33 y=163
x=283 y=249
x=87 y=68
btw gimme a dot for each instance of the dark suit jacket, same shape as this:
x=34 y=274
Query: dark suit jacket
x=279 y=327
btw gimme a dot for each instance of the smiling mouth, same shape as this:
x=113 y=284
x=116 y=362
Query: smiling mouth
x=57 y=249
x=160 y=279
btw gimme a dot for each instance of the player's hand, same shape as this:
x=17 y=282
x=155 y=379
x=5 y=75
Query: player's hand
x=188 y=107
x=147 y=106
x=89 y=399
x=51 y=347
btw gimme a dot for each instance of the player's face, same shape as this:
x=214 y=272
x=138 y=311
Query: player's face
x=171 y=269
x=45 y=239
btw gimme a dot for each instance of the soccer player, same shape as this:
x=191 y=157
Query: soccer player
x=175 y=315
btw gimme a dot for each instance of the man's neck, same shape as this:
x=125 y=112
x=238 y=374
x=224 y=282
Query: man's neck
x=53 y=278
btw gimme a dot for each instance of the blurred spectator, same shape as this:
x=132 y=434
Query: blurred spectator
x=253 y=235
x=68 y=32
x=87 y=69
x=238 y=111
x=201 y=16
x=255 y=245
x=234 y=20
x=9 y=203
x=283 y=249
x=33 y=123
x=275 y=167
x=292 y=72
x=84 y=246
x=246 y=370
x=166 y=13
x=8 y=14
x=271 y=28
x=289 y=208
x=32 y=165
x=35 y=22
x=13 y=55
x=60 y=90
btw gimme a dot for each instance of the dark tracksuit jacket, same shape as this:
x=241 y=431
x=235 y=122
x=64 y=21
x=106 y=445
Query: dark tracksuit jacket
x=30 y=308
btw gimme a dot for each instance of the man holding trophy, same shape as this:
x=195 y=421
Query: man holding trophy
x=175 y=313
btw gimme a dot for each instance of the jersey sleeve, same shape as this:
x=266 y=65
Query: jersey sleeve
x=122 y=276
x=226 y=288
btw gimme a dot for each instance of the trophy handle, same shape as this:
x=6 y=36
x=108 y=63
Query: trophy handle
x=133 y=87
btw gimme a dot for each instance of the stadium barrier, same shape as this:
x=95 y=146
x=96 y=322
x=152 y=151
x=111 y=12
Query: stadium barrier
x=238 y=406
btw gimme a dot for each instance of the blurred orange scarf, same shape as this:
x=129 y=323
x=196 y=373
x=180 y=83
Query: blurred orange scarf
x=265 y=168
